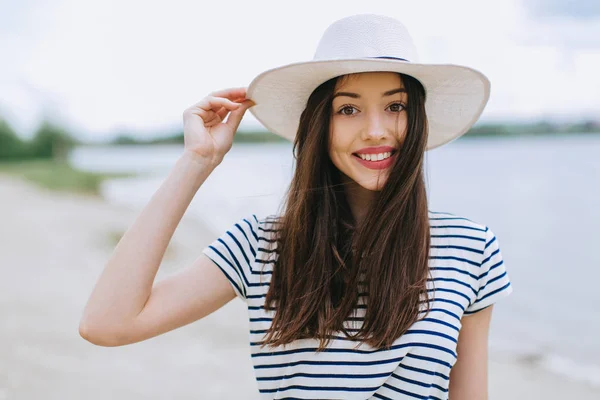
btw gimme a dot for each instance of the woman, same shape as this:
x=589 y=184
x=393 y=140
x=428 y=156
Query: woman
x=355 y=290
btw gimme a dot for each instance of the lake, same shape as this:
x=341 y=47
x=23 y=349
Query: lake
x=540 y=195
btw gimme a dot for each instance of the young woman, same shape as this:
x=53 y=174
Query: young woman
x=355 y=289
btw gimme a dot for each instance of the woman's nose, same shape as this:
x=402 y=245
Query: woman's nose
x=375 y=128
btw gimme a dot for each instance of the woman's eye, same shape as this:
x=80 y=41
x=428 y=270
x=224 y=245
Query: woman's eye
x=397 y=107
x=346 y=108
x=350 y=110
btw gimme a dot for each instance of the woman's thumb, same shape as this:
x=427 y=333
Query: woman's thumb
x=235 y=116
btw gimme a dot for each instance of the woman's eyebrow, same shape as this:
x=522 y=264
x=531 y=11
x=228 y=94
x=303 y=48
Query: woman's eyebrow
x=357 y=96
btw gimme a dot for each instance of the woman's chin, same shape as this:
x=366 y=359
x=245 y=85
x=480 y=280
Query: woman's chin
x=372 y=184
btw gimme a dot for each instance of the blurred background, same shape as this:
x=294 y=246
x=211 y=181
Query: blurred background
x=91 y=103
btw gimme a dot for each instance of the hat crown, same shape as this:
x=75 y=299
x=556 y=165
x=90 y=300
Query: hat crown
x=366 y=36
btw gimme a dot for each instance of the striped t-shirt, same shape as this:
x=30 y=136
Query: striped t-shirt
x=467 y=274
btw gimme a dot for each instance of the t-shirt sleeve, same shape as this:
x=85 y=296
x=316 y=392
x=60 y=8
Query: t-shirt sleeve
x=234 y=252
x=493 y=281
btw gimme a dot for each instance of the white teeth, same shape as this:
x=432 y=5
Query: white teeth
x=375 y=157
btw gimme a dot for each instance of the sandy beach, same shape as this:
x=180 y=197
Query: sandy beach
x=54 y=245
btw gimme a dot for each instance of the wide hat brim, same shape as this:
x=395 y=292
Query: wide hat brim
x=455 y=95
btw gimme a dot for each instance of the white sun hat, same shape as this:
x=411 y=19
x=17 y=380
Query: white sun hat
x=455 y=95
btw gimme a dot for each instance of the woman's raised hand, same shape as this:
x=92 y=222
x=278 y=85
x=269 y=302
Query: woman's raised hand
x=208 y=137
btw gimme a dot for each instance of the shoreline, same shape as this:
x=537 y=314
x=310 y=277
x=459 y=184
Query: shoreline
x=54 y=245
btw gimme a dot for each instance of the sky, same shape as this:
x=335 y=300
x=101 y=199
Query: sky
x=101 y=68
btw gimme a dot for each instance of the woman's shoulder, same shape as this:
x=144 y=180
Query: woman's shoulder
x=466 y=258
x=255 y=220
x=461 y=234
x=254 y=227
x=448 y=223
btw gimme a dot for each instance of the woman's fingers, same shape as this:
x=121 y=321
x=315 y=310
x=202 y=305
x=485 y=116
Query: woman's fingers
x=222 y=113
x=235 y=117
x=211 y=103
x=208 y=107
x=231 y=93
x=213 y=109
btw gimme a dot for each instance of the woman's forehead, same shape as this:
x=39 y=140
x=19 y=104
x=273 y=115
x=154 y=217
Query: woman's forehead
x=369 y=79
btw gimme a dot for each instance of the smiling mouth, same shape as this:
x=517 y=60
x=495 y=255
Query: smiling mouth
x=386 y=155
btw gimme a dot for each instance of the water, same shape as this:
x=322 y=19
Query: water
x=540 y=195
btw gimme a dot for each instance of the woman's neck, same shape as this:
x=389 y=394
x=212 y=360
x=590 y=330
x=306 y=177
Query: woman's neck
x=359 y=199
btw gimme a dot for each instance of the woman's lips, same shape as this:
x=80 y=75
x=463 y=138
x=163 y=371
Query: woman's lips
x=382 y=164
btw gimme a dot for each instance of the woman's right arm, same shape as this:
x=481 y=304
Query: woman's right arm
x=126 y=306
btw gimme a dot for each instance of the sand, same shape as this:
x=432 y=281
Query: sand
x=53 y=247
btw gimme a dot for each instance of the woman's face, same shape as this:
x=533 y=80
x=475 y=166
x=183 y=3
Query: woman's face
x=368 y=124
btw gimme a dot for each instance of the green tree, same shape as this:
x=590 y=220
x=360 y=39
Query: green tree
x=51 y=141
x=11 y=147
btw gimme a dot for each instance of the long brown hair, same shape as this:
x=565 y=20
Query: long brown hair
x=326 y=261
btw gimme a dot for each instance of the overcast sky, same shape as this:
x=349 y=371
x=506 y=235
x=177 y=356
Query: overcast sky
x=104 y=67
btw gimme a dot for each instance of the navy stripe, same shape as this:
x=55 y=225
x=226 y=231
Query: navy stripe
x=256 y=296
x=456 y=259
x=439 y=321
x=445 y=312
x=323 y=388
x=239 y=266
x=239 y=273
x=246 y=236
x=395 y=389
x=456 y=270
x=491 y=269
x=242 y=292
x=454 y=281
x=251 y=229
x=493 y=280
x=417 y=383
x=476 y=311
x=424 y=371
x=449 y=291
x=493 y=293
x=338 y=363
x=268 y=230
x=459 y=227
x=266 y=261
x=426 y=319
x=491 y=255
x=250 y=226
x=268 y=250
x=449 y=219
x=356 y=351
x=239 y=245
x=490 y=242
x=459 y=237
x=447 y=301
x=308 y=375
x=380 y=396
x=408 y=332
x=458 y=248
x=430 y=359
x=432 y=333
x=261 y=319
x=261 y=272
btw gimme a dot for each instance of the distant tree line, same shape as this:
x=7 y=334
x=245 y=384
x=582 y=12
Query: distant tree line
x=489 y=129
x=53 y=142
x=48 y=142
x=539 y=128
x=242 y=136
